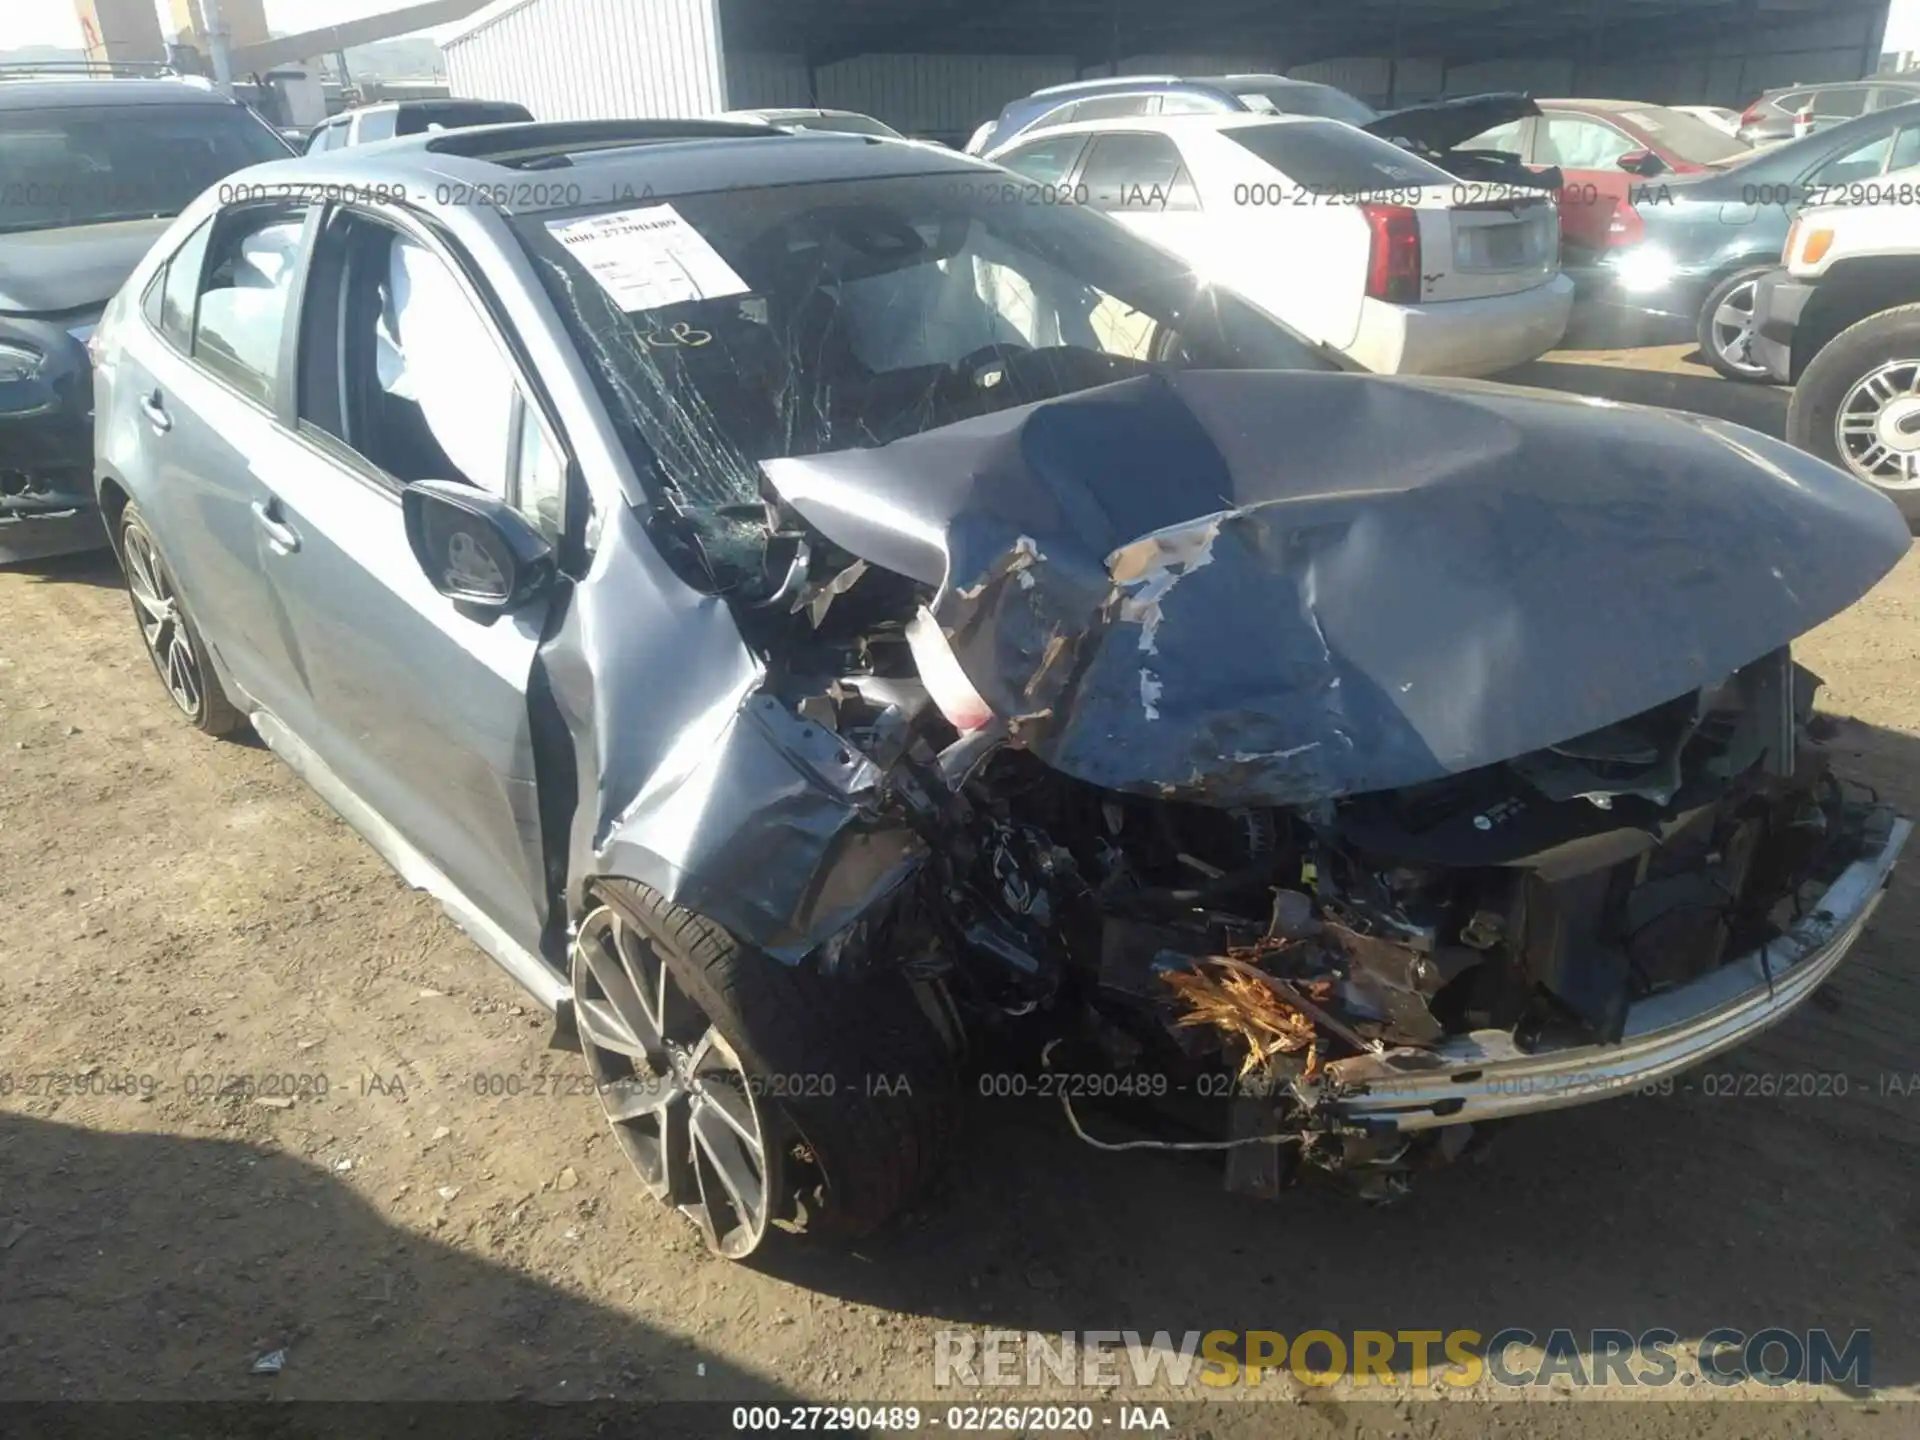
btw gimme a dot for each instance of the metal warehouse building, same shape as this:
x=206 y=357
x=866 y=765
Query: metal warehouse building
x=940 y=67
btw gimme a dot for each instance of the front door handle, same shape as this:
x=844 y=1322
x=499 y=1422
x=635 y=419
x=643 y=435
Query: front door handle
x=282 y=537
x=156 y=413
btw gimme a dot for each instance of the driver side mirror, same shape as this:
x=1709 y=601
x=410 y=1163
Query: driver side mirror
x=476 y=549
x=1641 y=162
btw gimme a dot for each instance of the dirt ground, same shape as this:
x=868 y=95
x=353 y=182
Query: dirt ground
x=180 y=914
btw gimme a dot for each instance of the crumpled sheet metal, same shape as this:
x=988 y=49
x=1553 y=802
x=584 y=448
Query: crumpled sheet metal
x=695 y=782
x=1271 y=588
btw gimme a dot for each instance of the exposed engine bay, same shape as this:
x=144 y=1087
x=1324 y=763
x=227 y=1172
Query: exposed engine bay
x=1236 y=949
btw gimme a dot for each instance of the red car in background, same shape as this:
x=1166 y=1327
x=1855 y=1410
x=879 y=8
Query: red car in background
x=1609 y=152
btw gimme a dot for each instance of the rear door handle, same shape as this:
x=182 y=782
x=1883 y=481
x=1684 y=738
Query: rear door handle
x=156 y=413
x=282 y=537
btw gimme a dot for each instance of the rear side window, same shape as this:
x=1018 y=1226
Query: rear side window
x=1906 y=149
x=1840 y=104
x=1137 y=173
x=1046 y=161
x=244 y=292
x=181 y=289
x=1335 y=159
x=1863 y=162
x=376 y=125
x=1102 y=107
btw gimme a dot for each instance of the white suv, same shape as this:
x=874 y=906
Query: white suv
x=1841 y=323
x=1346 y=237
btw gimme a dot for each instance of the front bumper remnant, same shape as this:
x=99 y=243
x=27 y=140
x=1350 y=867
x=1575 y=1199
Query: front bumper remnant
x=1485 y=1076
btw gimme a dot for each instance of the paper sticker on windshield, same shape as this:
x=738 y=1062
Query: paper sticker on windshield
x=648 y=258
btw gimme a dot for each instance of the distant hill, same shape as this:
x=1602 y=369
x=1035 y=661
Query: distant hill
x=409 y=57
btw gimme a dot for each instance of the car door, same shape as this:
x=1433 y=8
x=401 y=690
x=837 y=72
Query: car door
x=1588 y=151
x=207 y=366
x=1140 y=178
x=419 y=708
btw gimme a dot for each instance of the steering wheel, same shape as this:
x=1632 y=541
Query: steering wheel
x=976 y=365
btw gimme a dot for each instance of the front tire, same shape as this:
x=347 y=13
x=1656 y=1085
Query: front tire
x=1725 y=328
x=1858 y=405
x=748 y=1094
x=173 y=642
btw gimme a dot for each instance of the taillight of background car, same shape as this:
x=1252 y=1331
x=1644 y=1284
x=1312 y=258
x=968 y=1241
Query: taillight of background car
x=1626 y=227
x=1393 y=261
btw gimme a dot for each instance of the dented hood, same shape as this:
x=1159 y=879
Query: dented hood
x=1265 y=588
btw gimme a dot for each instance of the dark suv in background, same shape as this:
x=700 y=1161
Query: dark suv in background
x=93 y=167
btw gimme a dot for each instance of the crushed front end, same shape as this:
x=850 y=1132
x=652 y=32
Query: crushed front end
x=1357 y=818
x=47 y=504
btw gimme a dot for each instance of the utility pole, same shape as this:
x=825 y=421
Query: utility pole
x=217 y=36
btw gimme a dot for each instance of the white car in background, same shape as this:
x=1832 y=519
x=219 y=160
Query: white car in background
x=1346 y=237
x=1717 y=116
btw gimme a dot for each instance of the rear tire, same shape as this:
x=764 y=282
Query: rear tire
x=173 y=641
x=1856 y=395
x=848 y=1082
x=1725 y=325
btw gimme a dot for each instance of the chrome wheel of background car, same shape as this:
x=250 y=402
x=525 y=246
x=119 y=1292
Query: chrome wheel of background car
x=673 y=1089
x=161 y=625
x=1877 y=428
x=1732 y=328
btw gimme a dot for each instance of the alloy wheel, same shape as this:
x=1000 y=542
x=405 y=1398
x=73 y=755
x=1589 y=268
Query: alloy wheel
x=674 y=1090
x=1733 y=329
x=1877 y=427
x=162 y=626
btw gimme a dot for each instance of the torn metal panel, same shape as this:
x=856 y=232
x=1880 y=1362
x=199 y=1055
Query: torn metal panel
x=694 y=782
x=1258 y=588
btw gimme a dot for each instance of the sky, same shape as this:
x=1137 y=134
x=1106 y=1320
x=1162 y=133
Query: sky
x=51 y=22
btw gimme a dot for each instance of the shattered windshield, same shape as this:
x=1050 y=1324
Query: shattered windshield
x=747 y=325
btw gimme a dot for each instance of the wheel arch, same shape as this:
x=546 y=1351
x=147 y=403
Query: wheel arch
x=1852 y=291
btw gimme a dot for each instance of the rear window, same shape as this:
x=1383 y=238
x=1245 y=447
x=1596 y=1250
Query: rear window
x=842 y=125
x=1687 y=136
x=1335 y=159
x=85 y=165
x=456 y=116
x=1321 y=101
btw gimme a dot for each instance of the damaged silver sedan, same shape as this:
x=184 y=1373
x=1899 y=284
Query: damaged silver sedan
x=816 y=613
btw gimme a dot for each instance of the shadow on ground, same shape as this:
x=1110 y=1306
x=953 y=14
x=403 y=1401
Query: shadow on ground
x=1693 y=1211
x=143 y=1247
x=94 y=567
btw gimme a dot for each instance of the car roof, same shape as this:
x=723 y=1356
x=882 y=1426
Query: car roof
x=28 y=92
x=794 y=112
x=1222 y=120
x=568 y=168
x=1903 y=82
x=1608 y=106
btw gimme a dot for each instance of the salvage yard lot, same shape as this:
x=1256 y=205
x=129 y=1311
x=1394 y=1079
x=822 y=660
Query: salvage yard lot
x=449 y=1218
